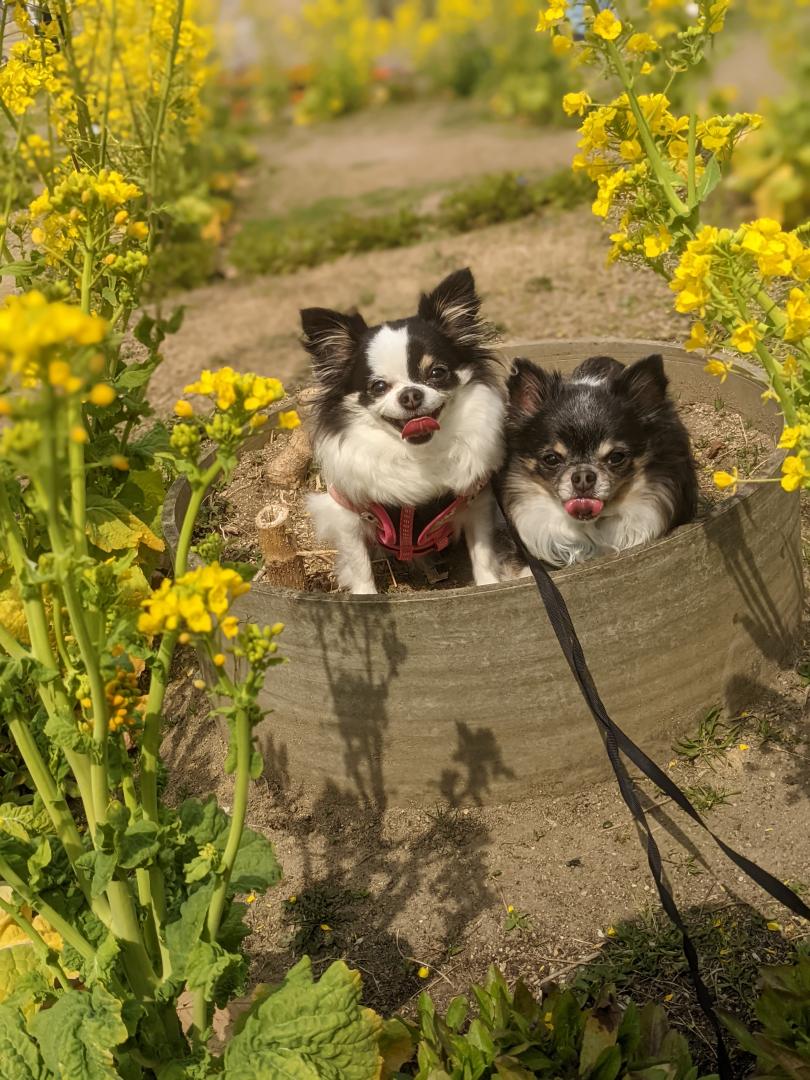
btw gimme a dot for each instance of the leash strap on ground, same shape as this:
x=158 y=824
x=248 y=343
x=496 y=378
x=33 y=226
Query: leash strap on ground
x=618 y=743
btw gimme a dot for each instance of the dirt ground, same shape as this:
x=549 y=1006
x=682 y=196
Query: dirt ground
x=543 y=277
x=395 y=890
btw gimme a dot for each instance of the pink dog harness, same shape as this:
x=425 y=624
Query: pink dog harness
x=435 y=536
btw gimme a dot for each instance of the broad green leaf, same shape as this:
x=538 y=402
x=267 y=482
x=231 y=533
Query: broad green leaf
x=63 y=731
x=78 y=1034
x=255 y=867
x=397 y=1046
x=112 y=527
x=457 y=1013
x=18 y=960
x=101 y=866
x=511 y=1070
x=23 y=820
x=219 y=974
x=601 y=1031
x=18 y=1053
x=308 y=1030
x=184 y=933
x=138 y=845
x=609 y=1065
x=710 y=179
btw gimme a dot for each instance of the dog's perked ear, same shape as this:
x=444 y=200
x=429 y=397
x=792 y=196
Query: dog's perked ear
x=598 y=367
x=529 y=388
x=330 y=338
x=644 y=382
x=454 y=307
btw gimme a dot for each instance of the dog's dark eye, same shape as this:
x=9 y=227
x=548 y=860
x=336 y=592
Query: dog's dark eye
x=551 y=459
x=438 y=373
x=377 y=387
x=617 y=457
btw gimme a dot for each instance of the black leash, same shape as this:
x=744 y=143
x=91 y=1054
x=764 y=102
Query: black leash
x=616 y=744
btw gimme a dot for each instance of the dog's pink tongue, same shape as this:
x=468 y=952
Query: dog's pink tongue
x=584 y=509
x=420 y=425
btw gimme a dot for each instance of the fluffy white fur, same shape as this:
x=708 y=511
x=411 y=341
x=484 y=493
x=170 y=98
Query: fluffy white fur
x=368 y=461
x=554 y=536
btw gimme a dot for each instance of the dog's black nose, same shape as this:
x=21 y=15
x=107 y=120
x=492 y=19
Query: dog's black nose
x=411 y=397
x=583 y=479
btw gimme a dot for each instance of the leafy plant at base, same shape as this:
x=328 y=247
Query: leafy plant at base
x=782 y=1044
x=747 y=288
x=515 y=1036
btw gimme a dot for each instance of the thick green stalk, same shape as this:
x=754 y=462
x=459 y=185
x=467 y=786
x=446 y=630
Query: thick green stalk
x=68 y=932
x=57 y=808
x=127 y=930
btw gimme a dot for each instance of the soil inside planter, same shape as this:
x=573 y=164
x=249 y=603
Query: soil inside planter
x=721 y=439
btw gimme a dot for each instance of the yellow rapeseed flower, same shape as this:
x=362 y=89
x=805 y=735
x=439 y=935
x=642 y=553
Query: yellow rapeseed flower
x=745 y=337
x=118 y=461
x=794 y=471
x=289 y=420
x=423 y=972
x=797 y=309
x=698 y=338
x=192 y=602
x=32 y=328
x=138 y=230
x=723 y=479
x=183 y=409
x=720 y=368
x=101 y=394
x=78 y=434
x=641 y=43
x=657 y=243
x=606 y=25
x=575 y=104
x=560 y=44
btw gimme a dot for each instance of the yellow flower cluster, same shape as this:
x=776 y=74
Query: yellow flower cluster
x=197 y=602
x=777 y=253
x=719 y=133
x=34 y=332
x=227 y=387
x=34 y=65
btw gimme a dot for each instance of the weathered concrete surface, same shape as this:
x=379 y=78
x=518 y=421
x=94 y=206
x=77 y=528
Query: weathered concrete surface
x=465 y=696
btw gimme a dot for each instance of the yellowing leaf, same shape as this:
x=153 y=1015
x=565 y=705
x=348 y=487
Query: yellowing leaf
x=112 y=527
x=308 y=1030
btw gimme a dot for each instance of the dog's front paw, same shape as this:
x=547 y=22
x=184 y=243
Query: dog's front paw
x=363 y=588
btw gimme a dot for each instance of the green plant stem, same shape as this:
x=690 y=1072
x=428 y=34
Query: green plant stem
x=150 y=743
x=157 y=130
x=691 y=189
x=127 y=929
x=781 y=391
x=651 y=150
x=11 y=646
x=41 y=648
x=219 y=898
x=40 y=945
x=238 y=811
x=108 y=82
x=58 y=810
x=9 y=197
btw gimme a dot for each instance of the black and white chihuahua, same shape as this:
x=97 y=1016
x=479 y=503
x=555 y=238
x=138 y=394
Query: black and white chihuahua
x=596 y=463
x=408 y=430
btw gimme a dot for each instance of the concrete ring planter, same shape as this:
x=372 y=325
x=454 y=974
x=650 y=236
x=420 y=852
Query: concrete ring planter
x=463 y=695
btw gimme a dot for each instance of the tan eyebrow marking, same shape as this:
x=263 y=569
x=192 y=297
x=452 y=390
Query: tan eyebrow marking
x=560 y=448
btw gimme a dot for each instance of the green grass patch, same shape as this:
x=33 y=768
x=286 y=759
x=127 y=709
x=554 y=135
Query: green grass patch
x=329 y=228
x=644 y=960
